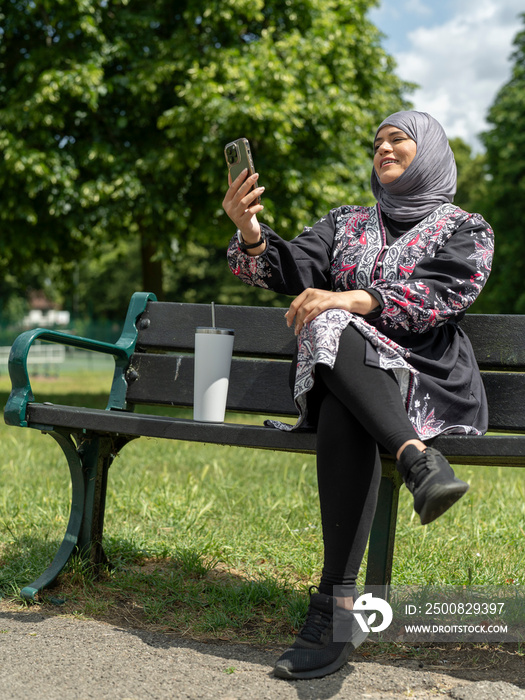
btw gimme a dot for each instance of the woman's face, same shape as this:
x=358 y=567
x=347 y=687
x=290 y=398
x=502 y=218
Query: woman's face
x=393 y=152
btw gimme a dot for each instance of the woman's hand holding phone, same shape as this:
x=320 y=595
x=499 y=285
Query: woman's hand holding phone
x=240 y=203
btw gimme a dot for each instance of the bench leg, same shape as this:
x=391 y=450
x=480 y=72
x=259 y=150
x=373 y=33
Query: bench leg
x=89 y=461
x=97 y=453
x=70 y=540
x=382 y=535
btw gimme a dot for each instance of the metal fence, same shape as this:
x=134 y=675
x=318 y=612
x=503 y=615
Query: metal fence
x=49 y=358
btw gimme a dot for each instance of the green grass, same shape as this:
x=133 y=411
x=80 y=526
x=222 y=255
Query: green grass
x=220 y=542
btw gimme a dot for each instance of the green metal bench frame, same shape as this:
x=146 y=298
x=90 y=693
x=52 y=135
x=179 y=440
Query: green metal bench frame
x=154 y=365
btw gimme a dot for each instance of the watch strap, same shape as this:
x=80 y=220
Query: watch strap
x=248 y=246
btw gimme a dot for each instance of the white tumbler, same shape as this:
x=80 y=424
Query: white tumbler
x=213 y=356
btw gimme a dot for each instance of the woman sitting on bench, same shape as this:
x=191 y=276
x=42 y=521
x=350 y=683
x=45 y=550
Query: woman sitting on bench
x=381 y=358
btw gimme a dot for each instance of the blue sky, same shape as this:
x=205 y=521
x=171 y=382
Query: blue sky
x=457 y=51
x=397 y=18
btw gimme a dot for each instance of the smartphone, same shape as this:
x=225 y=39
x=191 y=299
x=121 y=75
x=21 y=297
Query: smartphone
x=239 y=156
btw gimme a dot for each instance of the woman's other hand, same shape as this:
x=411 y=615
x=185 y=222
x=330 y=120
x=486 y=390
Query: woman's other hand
x=312 y=302
x=241 y=206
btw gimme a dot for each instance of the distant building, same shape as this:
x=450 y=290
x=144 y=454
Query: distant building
x=43 y=312
x=52 y=317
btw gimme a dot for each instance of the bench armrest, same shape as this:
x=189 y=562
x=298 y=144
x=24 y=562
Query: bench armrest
x=22 y=394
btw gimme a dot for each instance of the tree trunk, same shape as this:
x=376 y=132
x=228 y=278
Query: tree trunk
x=151 y=270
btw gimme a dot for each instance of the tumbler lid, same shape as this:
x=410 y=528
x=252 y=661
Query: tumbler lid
x=215 y=331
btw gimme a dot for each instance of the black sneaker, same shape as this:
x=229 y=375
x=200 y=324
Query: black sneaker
x=324 y=643
x=431 y=480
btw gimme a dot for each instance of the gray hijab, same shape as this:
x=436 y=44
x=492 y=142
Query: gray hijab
x=429 y=180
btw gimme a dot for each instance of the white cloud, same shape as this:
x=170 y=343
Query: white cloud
x=418 y=7
x=462 y=63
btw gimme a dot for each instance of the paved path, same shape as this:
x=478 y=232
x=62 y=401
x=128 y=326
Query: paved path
x=63 y=658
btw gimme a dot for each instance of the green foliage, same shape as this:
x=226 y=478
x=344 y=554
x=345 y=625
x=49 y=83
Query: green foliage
x=505 y=144
x=114 y=114
x=471 y=194
x=197 y=274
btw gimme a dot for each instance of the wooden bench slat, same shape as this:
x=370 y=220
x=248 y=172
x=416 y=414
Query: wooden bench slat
x=171 y=326
x=497 y=340
x=255 y=385
x=506 y=399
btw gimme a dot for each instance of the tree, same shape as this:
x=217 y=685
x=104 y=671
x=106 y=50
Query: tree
x=114 y=114
x=505 y=144
x=471 y=194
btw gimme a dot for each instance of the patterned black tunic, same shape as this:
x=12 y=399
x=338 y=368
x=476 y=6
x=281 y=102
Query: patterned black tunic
x=425 y=280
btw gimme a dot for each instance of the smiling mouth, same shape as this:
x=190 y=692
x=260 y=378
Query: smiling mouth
x=388 y=162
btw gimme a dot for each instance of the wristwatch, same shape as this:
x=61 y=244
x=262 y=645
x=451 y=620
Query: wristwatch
x=248 y=246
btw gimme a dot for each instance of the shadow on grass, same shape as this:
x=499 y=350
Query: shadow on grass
x=186 y=591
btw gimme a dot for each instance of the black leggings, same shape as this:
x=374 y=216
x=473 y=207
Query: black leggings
x=360 y=407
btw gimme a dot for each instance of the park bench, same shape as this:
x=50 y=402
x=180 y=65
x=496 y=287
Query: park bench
x=154 y=365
